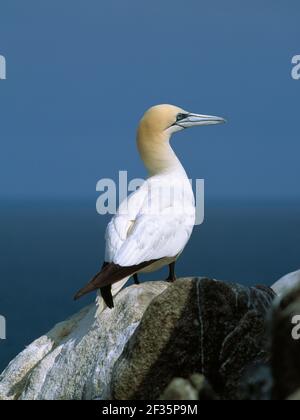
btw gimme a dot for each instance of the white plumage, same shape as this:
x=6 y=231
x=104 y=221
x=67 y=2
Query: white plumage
x=158 y=224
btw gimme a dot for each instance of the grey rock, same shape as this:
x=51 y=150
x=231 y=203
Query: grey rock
x=194 y=388
x=295 y=396
x=155 y=333
x=180 y=389
x=287 y=283
x=76 y=358
x=285 y=349
x=257 y=383
x=196 y=325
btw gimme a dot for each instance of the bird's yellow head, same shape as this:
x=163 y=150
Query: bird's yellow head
x=168 y=119
x=159 y=118
x=157 y=126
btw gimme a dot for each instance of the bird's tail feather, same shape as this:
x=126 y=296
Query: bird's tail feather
x=110 y=274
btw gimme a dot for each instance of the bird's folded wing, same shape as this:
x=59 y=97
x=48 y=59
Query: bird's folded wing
x=154 y=237
x=121 y=224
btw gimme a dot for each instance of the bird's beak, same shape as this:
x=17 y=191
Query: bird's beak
x=194 y=120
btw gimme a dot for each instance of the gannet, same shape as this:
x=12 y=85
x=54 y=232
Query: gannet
x=154 y=224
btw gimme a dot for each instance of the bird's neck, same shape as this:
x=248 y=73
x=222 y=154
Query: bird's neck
x=157 y=153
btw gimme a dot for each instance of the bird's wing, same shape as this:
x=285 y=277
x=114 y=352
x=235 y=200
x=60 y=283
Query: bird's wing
x=122 y=223
x=154 y=237
x=151 y=223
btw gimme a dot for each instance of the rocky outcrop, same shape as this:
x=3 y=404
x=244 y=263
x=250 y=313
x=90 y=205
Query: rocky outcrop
x=196 y=325
x=75 y=359
x=196 y=338
x=257 y=383
x=195 y=387
x=295 y=396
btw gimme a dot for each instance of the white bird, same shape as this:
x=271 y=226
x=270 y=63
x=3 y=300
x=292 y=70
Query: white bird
x=154 y=224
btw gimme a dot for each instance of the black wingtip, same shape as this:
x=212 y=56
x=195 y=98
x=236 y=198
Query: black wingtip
x=76 y=297
x=80 y=294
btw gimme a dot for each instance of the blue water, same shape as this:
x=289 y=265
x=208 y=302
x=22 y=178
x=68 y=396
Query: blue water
x=50 y=249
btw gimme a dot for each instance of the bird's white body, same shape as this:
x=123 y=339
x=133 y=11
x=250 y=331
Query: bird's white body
x=154 y=223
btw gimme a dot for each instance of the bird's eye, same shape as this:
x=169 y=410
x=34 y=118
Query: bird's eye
x=181 y=117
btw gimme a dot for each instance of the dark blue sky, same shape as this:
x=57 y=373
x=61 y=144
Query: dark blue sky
x=82 y=72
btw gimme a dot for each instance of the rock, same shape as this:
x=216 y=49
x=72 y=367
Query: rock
x=155 y=333
x=286 y=283
x=76 y=358
x=194 y=388
x=295 y=396
x=285 y=348
x=180 y=389
x=257 y=383
x=196 y=325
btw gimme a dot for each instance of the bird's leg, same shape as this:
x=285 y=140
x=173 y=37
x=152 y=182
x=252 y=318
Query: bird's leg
x=106 y=292
x=107 y=296
x=172 y=275
x=136 y=278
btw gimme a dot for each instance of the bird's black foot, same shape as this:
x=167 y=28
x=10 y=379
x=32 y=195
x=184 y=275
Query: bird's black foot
x=136 y=279
x=106 y=293
x=107 y=296
x=172 y=275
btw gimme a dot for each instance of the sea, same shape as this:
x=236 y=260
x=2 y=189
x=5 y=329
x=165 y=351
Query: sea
x=51 y=248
